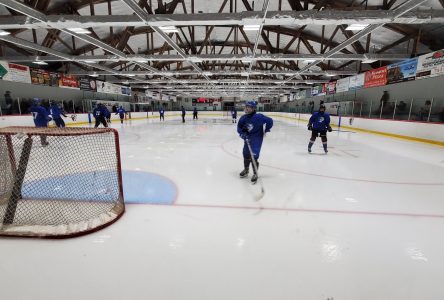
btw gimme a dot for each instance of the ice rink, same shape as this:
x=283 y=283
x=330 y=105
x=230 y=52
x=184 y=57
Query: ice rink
x=363 y=222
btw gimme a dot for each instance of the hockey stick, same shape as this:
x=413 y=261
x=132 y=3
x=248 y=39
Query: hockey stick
x=253 y=161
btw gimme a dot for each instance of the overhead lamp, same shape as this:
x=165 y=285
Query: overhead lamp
x=309 y=60
x=80 y=30
x=40 y=62
x=208 y=73
x=94 y=75
x=254 y=27
x=368 y=61
x=356 y=27
x=89 y=61
x=130 y=75
x=141 y=60
x=195 y=59
x=169 y=29
x=3 y=33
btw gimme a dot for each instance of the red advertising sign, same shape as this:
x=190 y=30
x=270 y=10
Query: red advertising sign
x=69 y=82
x=376 y=77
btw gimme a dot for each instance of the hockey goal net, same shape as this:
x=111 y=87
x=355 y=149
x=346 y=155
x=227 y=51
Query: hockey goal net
x=59 y=182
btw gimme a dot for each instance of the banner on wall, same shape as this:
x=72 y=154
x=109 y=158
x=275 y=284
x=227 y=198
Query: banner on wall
x=402 y=71
x=376 y=77
x=87 y=84
x=301 y=94
x=319 y=90
x=109 y=88
x=316 y=90
x=15 y=72
x=357 y=81
x=68 y=82
x=43 y=77
x=430 y=65
x=331 y=87
x=342 y=85
x=125 y=90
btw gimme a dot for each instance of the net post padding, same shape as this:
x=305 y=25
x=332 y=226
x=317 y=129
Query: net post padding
x=69 y=187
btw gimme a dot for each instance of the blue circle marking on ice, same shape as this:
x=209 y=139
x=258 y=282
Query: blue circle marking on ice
x=100 y=186
x=138 y=187
x=145 y=187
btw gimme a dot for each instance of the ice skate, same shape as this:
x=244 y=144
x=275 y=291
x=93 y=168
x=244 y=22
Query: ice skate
x=244 y=173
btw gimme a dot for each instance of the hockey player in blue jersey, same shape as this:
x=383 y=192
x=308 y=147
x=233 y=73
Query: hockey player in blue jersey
x=121 y=112
x=107 y=114
x=233 y=115
x=183 y=114
x=251 y=127
x=319 y=123
x=57 y=113
x=161 y=113
x=100 y=113
x=41 y=118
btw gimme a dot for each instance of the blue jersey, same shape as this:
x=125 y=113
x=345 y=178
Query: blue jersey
x=183 y=111
x=40 y=115
x=195 y=111
x=253 y=126
x=120 y=111
x=234 y=114
x=106 y=112
x=56 y=112
x=100 y=112
x=161 y=111
x=320 y=121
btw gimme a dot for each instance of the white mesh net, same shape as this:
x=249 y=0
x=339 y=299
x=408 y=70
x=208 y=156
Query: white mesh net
x=58 y=182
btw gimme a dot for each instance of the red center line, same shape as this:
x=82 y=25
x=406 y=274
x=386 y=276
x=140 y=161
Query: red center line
x=302 y=210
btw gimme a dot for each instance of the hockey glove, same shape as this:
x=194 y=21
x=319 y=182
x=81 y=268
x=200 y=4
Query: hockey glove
x=310 y=127
x=329 y=128
x=244 y=136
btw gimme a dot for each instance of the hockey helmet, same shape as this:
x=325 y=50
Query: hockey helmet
x=252 y=104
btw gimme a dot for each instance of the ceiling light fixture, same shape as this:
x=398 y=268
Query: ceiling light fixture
x=252 y=27
x=39 y=62
x=80 y=30
x=356 y=27
x=3 y=33
x=169 y=29
x=94 y=75
x=368 y=61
